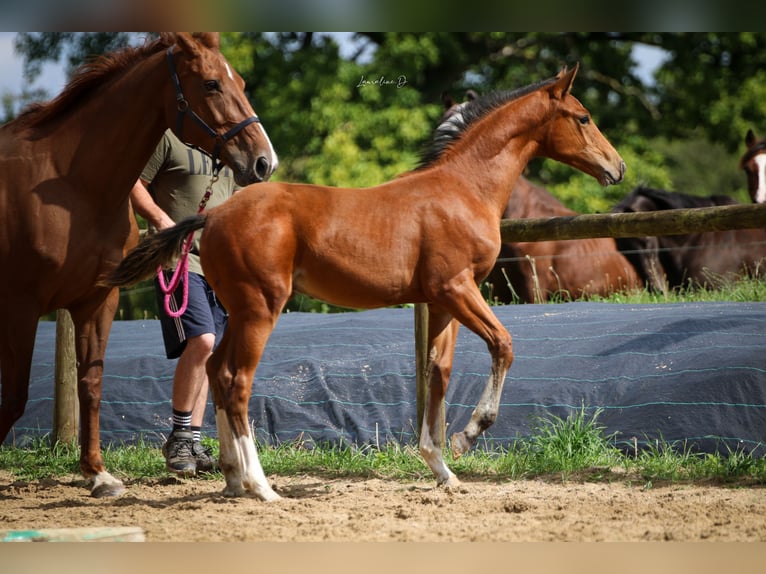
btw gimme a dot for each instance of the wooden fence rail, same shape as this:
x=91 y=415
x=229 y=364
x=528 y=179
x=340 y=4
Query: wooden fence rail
x=641 y=224
x=667 y=222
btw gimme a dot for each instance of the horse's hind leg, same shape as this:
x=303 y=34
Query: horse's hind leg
x=442 y=334
x=230 y=370
x=92 y=324
x=18 y=327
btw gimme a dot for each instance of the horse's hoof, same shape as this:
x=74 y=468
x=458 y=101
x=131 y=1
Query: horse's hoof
x=459 y=445
x=452 y=483
x=233 y=492
x=106 y=486
x=269 y=496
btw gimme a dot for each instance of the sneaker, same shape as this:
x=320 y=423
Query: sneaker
x=178 y=452
x=204 y=458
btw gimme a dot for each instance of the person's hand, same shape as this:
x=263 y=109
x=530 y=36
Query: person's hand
x=163 y=221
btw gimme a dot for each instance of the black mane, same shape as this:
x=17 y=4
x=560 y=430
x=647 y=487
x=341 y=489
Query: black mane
x=461 y=117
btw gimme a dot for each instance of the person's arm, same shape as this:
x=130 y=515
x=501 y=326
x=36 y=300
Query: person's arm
x=145 y=206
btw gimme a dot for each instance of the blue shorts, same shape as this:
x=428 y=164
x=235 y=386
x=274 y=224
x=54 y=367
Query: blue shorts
x=204 y=314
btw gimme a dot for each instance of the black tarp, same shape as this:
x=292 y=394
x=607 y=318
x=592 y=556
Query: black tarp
x=693 y=373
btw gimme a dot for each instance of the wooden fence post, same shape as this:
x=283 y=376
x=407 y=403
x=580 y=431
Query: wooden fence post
x=66 y=411
x=421 y=360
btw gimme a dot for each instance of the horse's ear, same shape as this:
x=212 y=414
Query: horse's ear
x=188 y=44
x=447 y=100
x=209 y=39
x=749 y=138
x=564 y=81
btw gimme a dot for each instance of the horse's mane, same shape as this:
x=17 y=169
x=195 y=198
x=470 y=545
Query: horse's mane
x=452 y=127
x=86 y=79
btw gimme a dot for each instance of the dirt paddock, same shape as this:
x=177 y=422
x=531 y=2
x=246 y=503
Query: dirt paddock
x=378 y=510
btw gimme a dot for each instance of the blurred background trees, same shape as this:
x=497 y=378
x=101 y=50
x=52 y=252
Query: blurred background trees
x=354 y=109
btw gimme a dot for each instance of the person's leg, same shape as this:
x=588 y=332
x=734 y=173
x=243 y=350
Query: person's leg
x=203 y=456
x=190 y=338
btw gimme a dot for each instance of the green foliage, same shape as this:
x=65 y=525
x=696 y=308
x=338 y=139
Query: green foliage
x=682 y=130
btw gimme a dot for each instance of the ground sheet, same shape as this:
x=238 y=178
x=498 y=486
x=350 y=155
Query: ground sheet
x=693 y=373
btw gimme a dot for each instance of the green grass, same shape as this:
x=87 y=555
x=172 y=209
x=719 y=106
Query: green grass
x=571 y=448
x=717 y=289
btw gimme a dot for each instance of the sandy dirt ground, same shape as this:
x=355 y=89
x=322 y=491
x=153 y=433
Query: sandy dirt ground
x=376 y=510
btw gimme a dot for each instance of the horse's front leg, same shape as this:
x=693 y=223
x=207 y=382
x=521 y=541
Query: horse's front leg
x=442 y=334
x=230 y=371
x=92 y=327
x=468 y=306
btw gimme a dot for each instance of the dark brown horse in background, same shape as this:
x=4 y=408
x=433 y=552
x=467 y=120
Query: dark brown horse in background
x=689 y=260
x=67 y=168
x=426 y=237
x=754 y=163
x=536 y=271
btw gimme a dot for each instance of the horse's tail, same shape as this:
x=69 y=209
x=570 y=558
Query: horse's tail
x=155 y=250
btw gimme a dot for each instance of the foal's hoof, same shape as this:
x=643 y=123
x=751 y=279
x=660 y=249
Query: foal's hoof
x=459 y=445
x=105 y=484
x=233 y=492
x=452 y=483
x=269 y=496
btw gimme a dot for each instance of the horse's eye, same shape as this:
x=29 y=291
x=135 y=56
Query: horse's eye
x=212 y=86
x=584 y=120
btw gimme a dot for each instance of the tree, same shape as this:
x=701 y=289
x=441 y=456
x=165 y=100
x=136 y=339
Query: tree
x=360 y=116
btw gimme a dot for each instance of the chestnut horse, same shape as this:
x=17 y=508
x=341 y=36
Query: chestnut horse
x=67 y=168
x=533 y=272
x=754 y=164
x=428 y=237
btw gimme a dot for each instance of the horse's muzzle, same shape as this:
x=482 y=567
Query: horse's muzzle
x=608 y=178
x=263 y=169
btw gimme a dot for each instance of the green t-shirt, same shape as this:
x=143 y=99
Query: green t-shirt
x=178 y=177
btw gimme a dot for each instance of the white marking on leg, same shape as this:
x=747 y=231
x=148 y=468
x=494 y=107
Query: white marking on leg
x=254 y=478
x=760 y=193
x=229 y=459
x=435 y=461
x=432 y=455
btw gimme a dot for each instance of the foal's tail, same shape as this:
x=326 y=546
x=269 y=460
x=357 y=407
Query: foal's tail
x=153 y=251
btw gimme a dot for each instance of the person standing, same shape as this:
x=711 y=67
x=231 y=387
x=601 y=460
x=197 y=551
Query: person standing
x=169 y=189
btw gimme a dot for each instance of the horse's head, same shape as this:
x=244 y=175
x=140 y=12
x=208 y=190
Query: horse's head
x=209 y=109
x=754 y=164
x=573 y=138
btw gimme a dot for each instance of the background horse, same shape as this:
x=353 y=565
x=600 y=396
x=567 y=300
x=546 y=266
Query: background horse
x=533 y=272
x=66 y=170
x=426 y=237
x=692 y=259
x=754 y=164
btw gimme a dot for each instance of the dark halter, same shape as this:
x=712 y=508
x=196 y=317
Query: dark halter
x=183 y=109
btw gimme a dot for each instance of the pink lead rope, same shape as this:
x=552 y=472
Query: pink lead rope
x=182 y=269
